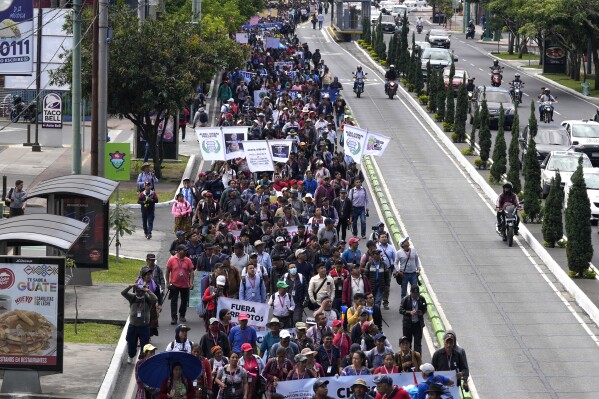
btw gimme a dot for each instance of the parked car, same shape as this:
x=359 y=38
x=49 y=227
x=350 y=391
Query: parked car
x=460 y=76
x=591 y=179
x=438 y=57
x=584 y=136
x=564 y=161
x=438 y=38
x=495 y=96
x=549 y=138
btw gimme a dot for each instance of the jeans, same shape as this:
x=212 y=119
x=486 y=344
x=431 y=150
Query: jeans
x=147 y=155
x=387 y=288
x=298 y=314
x=133 y=334
x=147 y=219
x=174 y=292
x=319 y=24
x=411 y=278
x=359 y=212
x=339 y=118
x=378 y=293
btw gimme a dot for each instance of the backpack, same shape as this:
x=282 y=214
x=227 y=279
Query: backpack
x=172 y=345
x=9 y=196
x=203 y=117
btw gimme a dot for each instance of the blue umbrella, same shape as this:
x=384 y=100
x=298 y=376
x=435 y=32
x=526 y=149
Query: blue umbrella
x=156 y=369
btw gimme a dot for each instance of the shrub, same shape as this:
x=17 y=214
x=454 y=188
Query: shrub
x=423 y=99
x=553 y=228
x=467 y=151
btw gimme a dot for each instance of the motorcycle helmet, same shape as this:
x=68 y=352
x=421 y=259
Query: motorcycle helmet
x=470 y=79
x=517 y=75
x=508 y=185
x=546 y=91
x=391 y=66
x=495 y=62
x=359 y=67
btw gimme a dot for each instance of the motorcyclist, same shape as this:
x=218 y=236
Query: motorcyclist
x=507 y=197
x=512 y=84
x=546 y=96
x=496 y=67
x=390 y=76
x=471 y=24
x=419 y=23
x=470 y=86
x=359 y=74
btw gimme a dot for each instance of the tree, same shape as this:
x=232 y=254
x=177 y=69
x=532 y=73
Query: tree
x=404 y=54
x=461 y=113
x=392 y=50
x=430 y=82
x=475 y=127
x=449 y=100
x=579 y=248
x=513 y=174
x=532 y=181
x=154 y=67
x=419 y=80
x=533 y=127
x=432 y=86
x=499 y=166
x=484 y=134
x=440 y=95
x=366 y=33
x=121 y=222
x=553 y=228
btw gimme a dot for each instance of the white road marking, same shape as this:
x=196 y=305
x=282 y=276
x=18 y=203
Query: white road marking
x=472 y=64
x=556 y=112
x=525 y=94
x=463 y=59
x=480 y=69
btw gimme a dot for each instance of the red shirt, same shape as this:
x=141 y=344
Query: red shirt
x=397 y=393
x=386 y=370
x=180 y=270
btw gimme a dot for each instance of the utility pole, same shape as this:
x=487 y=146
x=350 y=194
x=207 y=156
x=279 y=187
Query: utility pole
x=94 y=125
x=76 y=89
x=102 y=82
x=35 y=147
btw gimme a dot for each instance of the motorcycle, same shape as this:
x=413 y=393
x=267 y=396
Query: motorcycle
x=359 y=83
x=419 y=29
x=392 y=90
x=516 y=93
x=20 y=109
x=496 y=76
x=547 y=111
x=508 y=223
x=470 y=33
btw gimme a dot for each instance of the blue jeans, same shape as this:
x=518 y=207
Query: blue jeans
x=359 y=212
x=378 y=293
x=411 y=278
x=339 y=118
x=133 y=334
x=147 y=219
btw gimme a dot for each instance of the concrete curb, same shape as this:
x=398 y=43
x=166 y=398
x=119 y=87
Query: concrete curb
x=166 y=204
x=111 y=376
x=569 y=285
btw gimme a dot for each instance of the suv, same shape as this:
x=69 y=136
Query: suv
x=388 y=23
x=438 y=57
x=438 y=38
x=584 y=136
x=495 y=96
x=565 y=162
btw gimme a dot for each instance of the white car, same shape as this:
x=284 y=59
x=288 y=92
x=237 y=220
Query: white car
x=414 y=5
x=564 y=161
x=591 y=179
x=584 y=136
x=399 y=11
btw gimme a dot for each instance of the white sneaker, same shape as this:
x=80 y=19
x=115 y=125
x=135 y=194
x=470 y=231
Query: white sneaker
x=129 y=360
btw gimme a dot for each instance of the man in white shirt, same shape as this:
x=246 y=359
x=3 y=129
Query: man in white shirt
x=239 y=259
x=282 y=304
x=321 y=286
x=388 y=256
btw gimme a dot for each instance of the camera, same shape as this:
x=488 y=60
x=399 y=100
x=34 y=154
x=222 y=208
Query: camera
x=140 y=286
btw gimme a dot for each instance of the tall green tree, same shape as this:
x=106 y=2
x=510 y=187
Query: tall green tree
x=154 y=67
x=532 y=181
x=475 y=127
x=366 y=34
x=404 y=54
x=553 y=227
x=419 y=80
x=533 y=127
x=430 y=82
x=484 y=133
x=513 y=174
x=392 y=49
x=579 y=248
x=440 y=95
x=499 y=166
x=432 y=85
x=449 y=100
x=461 y=113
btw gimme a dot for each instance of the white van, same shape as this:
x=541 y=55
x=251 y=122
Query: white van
x=399 y=11
x=414 y=5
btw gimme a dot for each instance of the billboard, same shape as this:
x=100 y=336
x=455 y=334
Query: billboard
x=52 y=111
x=16 y=37
x=31 y=313
x=554 y=58
x=117 y=158
x=91 y=249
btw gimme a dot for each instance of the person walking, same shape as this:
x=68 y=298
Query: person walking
x=388 y=256
x=413 y=309
x=183 y=121
x=407 y=267
x=140 y=301
x=344 y=212
x=182 y=212
x=361 y=204
x=179 y=274
x=15 y=199
x=147 y=200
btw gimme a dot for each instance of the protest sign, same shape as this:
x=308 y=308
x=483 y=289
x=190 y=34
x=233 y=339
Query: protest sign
x=272 y=42
x=241 y=38
x=354 y=142
x=376 y=144
x=258 y=96
x=280 y=149
x=233 y=137
x=284 y=64
x=340 y=388
x=247 y=76
x=211 y=143
x=257 y=155
x=258 y=312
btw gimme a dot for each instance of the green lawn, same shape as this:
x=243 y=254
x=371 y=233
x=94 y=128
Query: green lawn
x=92 y=333
x=125 y=272
x=534 y=58
x=572 y=84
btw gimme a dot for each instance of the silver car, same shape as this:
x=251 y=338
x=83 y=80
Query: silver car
x=565 y=162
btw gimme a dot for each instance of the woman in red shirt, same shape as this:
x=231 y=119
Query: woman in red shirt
x=253 y=365
x=388 y=366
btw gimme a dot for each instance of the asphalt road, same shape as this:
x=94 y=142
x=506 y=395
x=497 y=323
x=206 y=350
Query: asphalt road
x=523 y=334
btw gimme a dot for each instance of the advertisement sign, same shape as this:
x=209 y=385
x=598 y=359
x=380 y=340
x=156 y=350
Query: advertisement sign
x=257 y=155
x=31 y=313
x=16 y=37
x=91 y=249
x=117 y=158
x=554 y=58
x=52 y=111
x=340 y=387
x=257 y=311
x=354 y=142
x=211 y=142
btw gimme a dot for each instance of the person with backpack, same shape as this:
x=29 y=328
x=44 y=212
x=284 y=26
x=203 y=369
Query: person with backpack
x=200 y=118
x=15 y=199
x=298 y=288
x=207 y=212
x=282 y=304
x=183 y=121
x=214 y=338
x=277 y=369
x=212 y=293
x=181 y=343
x=141 y=301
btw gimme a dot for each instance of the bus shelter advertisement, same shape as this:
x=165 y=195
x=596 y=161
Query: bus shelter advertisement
x=31 y=313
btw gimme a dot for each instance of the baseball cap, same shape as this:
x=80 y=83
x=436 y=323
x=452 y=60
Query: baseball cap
x=300 y=325
x=380 y=336
x=257 y=243
x=246 y=347
x=320 y=383
x=213 y=320
x=284 y=334
x=336 y=323
x=149 y=347
x=427 y=368
x=414 y=288
x=184 y=327
x=353 y=240
x=180 y=233
x=383 y=379
x=242 y=316
x=221 y=281
x=299 y=251
x=282 y=284
x=280 y=239
x=310 y=321
x=150 y=256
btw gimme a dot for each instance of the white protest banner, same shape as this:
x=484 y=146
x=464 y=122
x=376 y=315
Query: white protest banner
x=272 y=42
x=340 y=388
x=376 y=144
x=211 y=142
x=258 y=312
x=247 y=76
x=354 y=142
x=258 y=96
x=284 y=64
x=241 y=38
x=233 y=138
x=257 y=156
x=280 y=149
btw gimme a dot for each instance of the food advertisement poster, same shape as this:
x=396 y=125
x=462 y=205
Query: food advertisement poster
x=554 y=58
x=16 y=37
x=31 y=313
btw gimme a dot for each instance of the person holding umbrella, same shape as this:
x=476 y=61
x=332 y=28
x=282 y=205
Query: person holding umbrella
x=144 y=391
x=177 y=385
x=232 y=380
